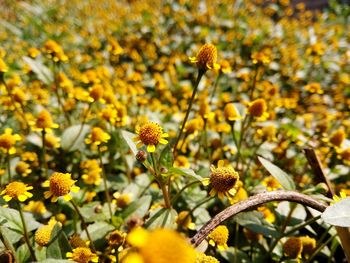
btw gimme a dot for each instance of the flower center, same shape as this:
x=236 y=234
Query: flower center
x=223 y=179
x=150 y=133
x=60 y=184
x=7 y=141
x=82 y=255
x=16 y=189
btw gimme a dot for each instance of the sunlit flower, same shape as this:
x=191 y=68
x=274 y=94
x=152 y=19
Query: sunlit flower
x=16 y=190
x=271 y=183
x=219 y=237
x=122 y=200
x=337 y=138
x=257 y=108
x=91 y=172
x=231 y=113
x=150 y=134
x=51 y=141
x=54 y=51
x=267 y=133
x=267 y=213
x=159 y=246
x=82 y=255
x=60 y=184
x=314 y=87
x=3 y=67
x=206 y=58
x=116 y=238
x=203 y=258
x=97 y=137
x=44 y=122
x=43 y=234
x=223 y=180
x=76 y=241
x=8 y=141
x=309 y=245
x=35 y=207
x=342 y=195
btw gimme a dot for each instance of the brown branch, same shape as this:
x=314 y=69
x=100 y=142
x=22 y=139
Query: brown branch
x=251 y=203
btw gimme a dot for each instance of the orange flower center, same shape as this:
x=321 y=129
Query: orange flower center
x=15 y=189
x=150 y=133
x=7 y=141
x=60 y=184
x=223 y=179
x=82 y=255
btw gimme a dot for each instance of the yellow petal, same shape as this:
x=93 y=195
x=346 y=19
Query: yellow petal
x=206 y=181
x=47 y=194
x=138 y=237
x=7 y=198
x=151 y=148
x=75 y=189
x=67 y=197
x=46 y=183
x=22 y=198
x=163 y=141
x=221 y=163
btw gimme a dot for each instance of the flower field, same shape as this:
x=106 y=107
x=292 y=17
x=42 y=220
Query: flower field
x=163 y=131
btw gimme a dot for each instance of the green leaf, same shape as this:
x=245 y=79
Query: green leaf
x=185 y=172
x=164 y=218
x=282 y=177
x=98 y=231
x=13 y=220
x=73 y=137
x=58 y=245
x=42 y=72
x=166 y=158
x=128 y=137
x=256 y=222
x=338 y=214
x=138 y=207
x=22 y=253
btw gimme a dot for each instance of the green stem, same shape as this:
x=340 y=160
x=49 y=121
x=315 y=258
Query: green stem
x=301 y=226
x=322 y=245
x=81 y=128
x=83 y=224
x=162 y=184
x=199 y=76
x=8 y=159
x=25 y=232
x=254 y=83
x=44 y=162
x=236 y=242
x=183 y=189
x=214 y=89
x=165 y=195
x=104 y=177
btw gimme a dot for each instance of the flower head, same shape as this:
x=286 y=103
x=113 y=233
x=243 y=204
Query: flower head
x=159 y=246
x=8 y=141
x=257 y=108
x=206 y=58
x=97 y=136
x=17 y=190
x=54 y=51
x=3 y=67
x=82 y=255
x=150 y=134
x=92 y=172
x=60 y=184
x=203 y=258
x=219 y=237
x=231 y=113
x=184 y=219
x=43 y=234
x=292 y=247
x=44 y=121
x=223 y=180
x=35 y=207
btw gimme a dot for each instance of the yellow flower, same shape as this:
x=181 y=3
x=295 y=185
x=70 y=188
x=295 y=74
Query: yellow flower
x=231 y=113
x=60 y=184
x=184 y=219
x=33 y=52
x=257 y=108
x=96 y=92
x=342 y=195
x=159 y=246
x=206 y=58
x=97 y=136
x=92 y=172
x=44 y=122
x=337 y=137
x=203 y=258
x=3 y=67
x=267 y=133
x=43 y=234
x=150 y=134
x=76 y=241
x=122 y=200
x=292 y=247
x=82 y=255
x=309 y=245
x=268 y=214
x=23 y=169
x=223 y=180
x=8 y=141
x=271 y=183
x=116 y=238
x=54 y=51
x=35 y=207
x=16 y=190
x=219 y=237
x=51 y=141
x=225 y=67
x=314 y=88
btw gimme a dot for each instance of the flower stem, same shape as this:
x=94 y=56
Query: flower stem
x=44 y=163
x=165 y=195
x=8 y=167
x=199 y=76
x=25 y=232
x=83 y=223
x=104 y=177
